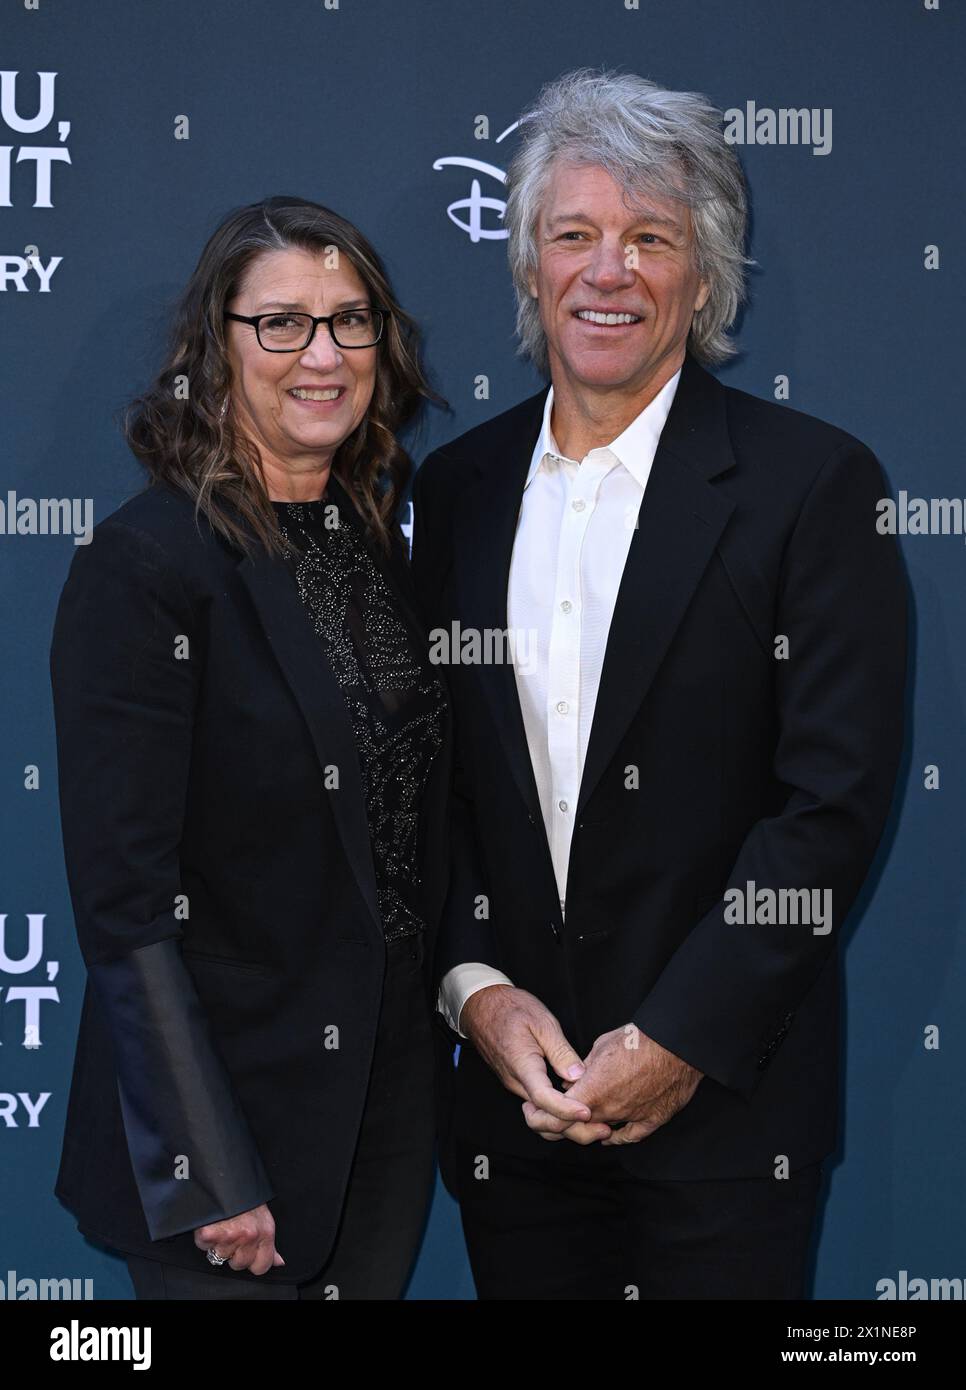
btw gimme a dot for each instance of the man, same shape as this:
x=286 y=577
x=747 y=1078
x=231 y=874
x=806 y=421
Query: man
x=662 y=816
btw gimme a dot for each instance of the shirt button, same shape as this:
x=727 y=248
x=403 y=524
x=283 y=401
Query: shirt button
x=578 y=504
x=566 y=606
x=562 y=707
x=562 y=805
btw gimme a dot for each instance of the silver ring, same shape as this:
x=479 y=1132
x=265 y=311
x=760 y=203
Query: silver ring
x=216 y=1259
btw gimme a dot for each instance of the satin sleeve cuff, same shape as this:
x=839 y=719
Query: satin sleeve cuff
x=194 y=1157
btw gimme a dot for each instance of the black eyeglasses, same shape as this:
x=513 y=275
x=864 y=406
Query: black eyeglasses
x=285 y=332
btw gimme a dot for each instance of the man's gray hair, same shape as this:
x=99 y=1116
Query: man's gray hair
x=650 y=140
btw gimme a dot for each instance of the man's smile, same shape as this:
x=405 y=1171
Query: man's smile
x=608 y=318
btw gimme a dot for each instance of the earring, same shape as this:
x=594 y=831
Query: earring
x=224 y=406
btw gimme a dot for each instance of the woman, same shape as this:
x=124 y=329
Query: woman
x=253 y=751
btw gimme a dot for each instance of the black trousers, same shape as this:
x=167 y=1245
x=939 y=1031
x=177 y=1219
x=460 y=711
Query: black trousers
x=391 y=1178
x=563 y=1228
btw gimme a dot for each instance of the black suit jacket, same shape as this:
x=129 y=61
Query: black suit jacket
x=224 y=894
x=757 y=521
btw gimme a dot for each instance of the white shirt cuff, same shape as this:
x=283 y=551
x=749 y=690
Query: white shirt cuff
x=459 y=983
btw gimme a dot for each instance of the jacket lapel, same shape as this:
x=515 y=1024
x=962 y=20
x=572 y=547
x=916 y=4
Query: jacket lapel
x=393 y=566
x=679 y=525
x=485 y=531
x=313 y=683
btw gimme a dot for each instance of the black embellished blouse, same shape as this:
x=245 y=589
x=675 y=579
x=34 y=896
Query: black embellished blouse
x=395 y=701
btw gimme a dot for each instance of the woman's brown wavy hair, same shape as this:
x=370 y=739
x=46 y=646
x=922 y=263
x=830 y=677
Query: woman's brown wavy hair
x=178 y=430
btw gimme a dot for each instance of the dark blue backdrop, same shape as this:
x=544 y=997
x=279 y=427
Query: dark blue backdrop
x=356 y=104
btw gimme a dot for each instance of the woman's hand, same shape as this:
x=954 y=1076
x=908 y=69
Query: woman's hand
x=248 y=1240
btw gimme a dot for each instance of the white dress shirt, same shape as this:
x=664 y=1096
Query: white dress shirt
x=573 y=534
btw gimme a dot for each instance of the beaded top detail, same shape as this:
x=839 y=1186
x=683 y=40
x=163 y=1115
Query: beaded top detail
x=395 y=701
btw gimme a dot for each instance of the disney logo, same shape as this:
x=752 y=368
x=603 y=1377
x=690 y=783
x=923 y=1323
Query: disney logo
x=477 y=203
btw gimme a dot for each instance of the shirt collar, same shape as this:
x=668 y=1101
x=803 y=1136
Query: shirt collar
x=635 y=447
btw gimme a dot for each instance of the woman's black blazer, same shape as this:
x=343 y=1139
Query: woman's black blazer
x=220 y=870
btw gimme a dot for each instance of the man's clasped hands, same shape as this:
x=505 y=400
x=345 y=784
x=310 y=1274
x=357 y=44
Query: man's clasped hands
x=623 y=1090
